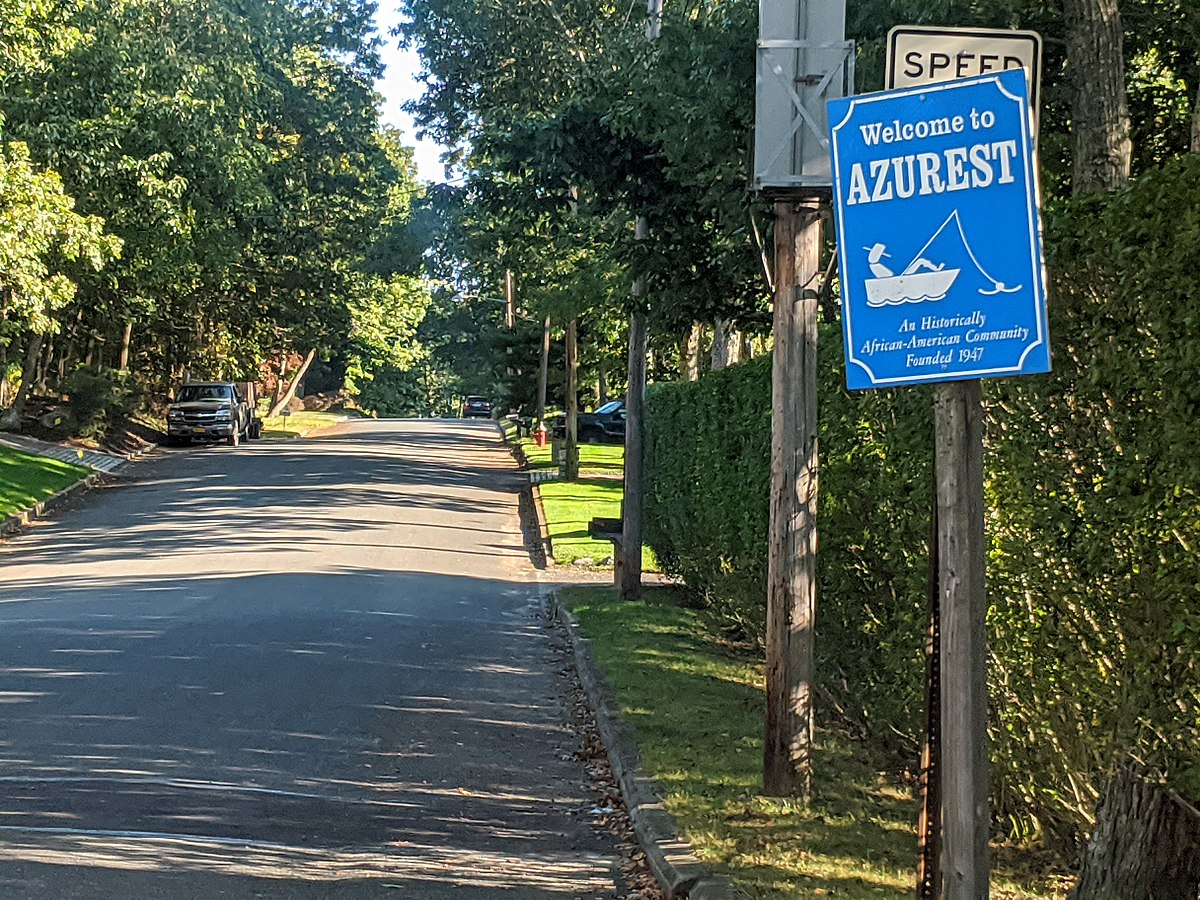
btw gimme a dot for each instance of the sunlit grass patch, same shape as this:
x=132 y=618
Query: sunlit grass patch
x=696 y=704
x=25 y=479
x=570 y=506
x=593 y=458
x=299 y=424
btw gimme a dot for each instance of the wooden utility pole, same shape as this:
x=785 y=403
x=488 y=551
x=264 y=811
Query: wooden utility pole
x=929 y=824
x=630 y=583
x=630 y=576
x=571 y=469
x=544 y=372
x=791 y=561
x=958 y=418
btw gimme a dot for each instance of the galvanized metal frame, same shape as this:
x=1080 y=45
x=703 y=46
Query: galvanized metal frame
x=797 y=75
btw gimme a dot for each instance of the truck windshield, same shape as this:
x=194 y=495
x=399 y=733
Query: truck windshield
x=189 y=393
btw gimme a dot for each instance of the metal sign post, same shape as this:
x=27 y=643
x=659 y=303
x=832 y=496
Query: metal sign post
x=803 y=60
x=943 y=281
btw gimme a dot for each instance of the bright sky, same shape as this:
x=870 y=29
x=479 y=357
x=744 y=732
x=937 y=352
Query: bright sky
x=399 y=85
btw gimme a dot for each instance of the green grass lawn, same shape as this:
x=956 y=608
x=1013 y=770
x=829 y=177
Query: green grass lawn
x=569 y=507
x=298 y=424
x=696 y=705
x=594 y=459
x=26 y=479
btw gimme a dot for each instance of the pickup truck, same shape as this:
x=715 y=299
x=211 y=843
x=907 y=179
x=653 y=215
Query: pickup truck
x=606 y=425
x=212 y=411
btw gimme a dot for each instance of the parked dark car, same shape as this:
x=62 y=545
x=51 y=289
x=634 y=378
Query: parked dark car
x=604 y=426
x=477 y=407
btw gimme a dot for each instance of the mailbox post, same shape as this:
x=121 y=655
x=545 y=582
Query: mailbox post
x=803 y=60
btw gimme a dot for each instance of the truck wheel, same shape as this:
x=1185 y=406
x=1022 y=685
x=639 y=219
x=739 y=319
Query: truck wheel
x=234 y=438
x=256 y=430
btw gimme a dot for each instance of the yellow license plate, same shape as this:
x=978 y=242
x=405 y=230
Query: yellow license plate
x=198 y=430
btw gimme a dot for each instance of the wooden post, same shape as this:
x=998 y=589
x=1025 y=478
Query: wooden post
x=929 y=825
x=572 y=444
x=958 y=418
x=631 y=508
x=635 y=395
x=791 y=584
x=543 y=374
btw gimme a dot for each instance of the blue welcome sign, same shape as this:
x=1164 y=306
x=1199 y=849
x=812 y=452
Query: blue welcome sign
x=939 y=237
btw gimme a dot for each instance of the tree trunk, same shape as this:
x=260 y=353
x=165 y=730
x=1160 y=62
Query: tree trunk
x=1099 y=114
x=126 y=337
x=280 y=379
x=691 y=353
x=720 y=346
x=44 y=362
x=543 y=372
x=572 y=442
x=602 y=388
x=11 y=419
x=747 y=351
x=278 y=405
x=1146 y=845
x=734 y=356
x=1196 y=125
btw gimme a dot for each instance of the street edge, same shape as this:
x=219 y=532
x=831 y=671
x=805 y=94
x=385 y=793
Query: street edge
x=680 y=874
x=535 y=497
x=543 y=526
x=17 y=521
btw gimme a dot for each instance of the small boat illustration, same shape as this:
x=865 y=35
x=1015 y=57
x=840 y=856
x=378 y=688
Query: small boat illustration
x=912 y=288
x=921 y=279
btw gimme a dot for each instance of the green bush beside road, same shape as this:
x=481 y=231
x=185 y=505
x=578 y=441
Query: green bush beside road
x=26 y=479
x=1092 y=513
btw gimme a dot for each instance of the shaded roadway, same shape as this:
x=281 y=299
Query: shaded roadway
x=311 y=669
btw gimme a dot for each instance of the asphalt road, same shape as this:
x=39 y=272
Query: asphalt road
x=299 y=670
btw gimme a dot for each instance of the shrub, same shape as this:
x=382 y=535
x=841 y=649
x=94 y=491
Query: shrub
x=1092 y=505
x=95 y=399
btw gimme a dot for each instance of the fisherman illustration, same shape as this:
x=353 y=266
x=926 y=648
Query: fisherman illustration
x=921 y=279
x=879 y=251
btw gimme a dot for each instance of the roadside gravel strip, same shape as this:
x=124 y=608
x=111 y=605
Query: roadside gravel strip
x=677 y=870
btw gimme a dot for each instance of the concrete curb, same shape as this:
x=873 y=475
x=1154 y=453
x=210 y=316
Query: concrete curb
x=542 y=526
x=675 y=867
x=539 y=512
x=17 y=521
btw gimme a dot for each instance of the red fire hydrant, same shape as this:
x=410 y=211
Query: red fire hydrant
x=539 y=436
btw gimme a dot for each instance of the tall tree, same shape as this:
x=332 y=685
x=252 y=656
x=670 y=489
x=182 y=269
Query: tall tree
x=1099 y=110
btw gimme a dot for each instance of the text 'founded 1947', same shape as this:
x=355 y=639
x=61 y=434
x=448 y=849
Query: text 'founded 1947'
x=935 y=192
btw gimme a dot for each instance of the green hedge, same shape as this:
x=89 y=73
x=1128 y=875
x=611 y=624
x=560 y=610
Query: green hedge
x=707 y=490
x=1093 y=516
